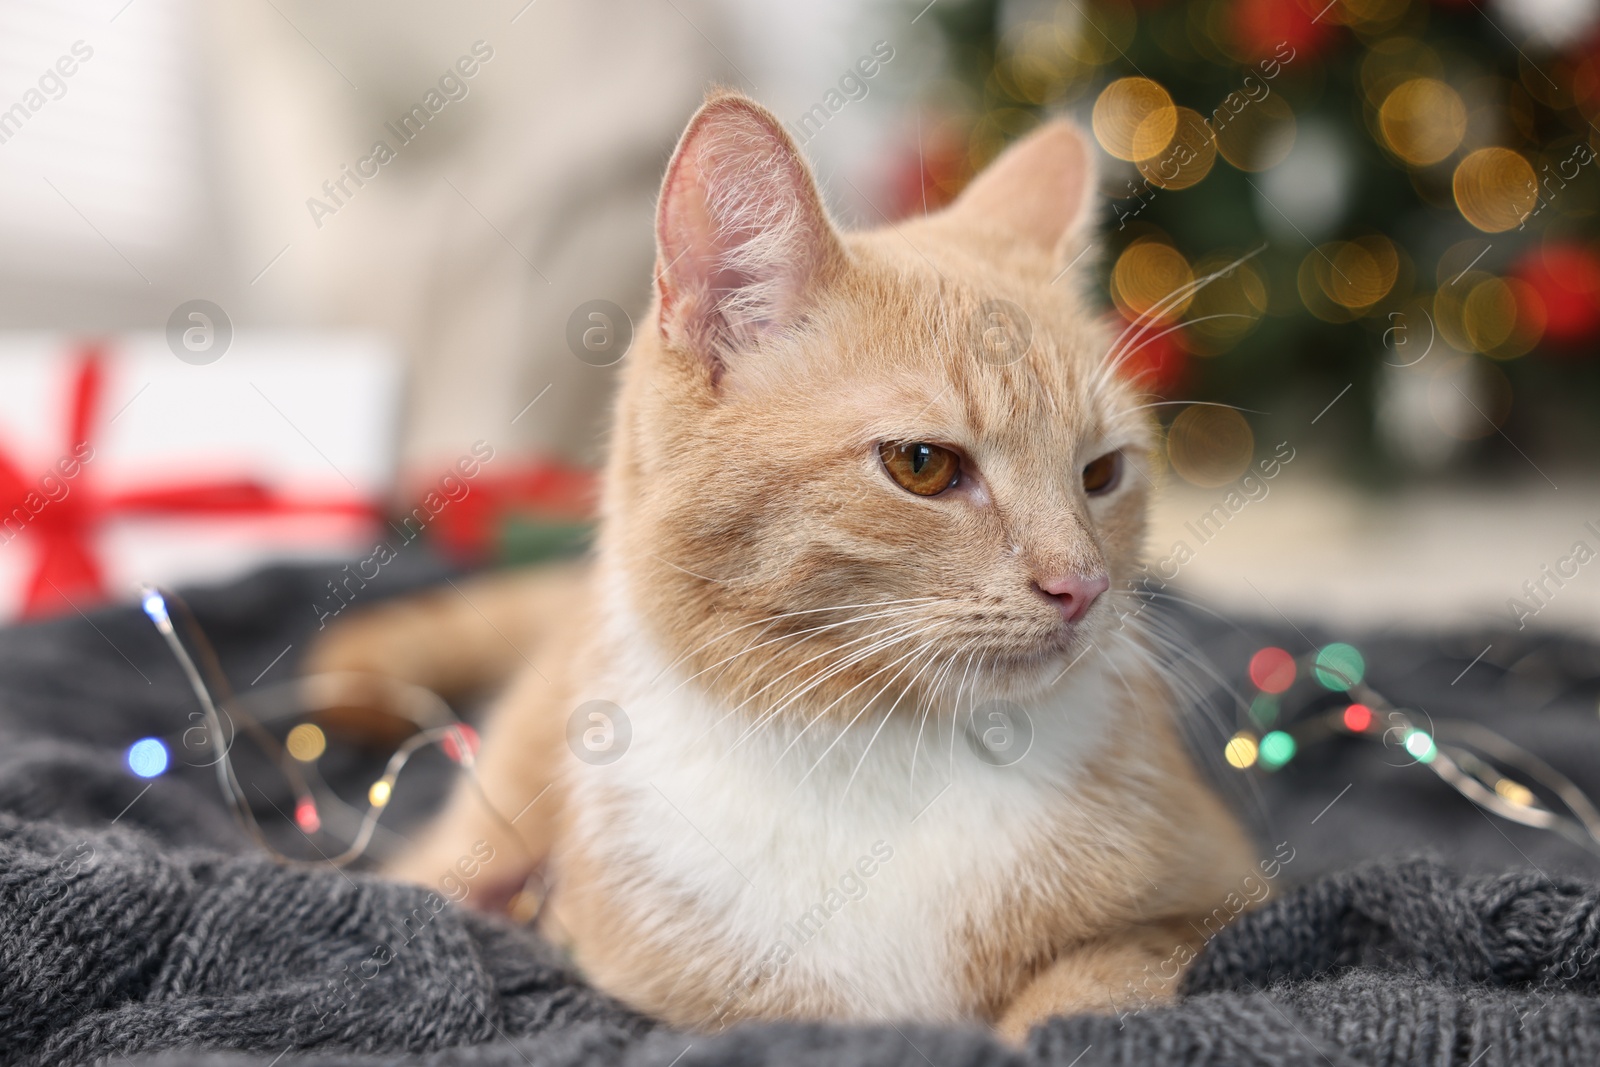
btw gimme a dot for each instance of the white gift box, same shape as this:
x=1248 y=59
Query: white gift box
x=282 y=448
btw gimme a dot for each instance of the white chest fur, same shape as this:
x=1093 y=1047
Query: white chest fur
x=831 y=867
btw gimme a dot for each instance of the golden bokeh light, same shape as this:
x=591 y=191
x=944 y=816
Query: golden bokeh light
x=1038 y=64
x=378 y=795
x=1258 y=136
x=1528 y=330
x=1209 y=445
x=1423 y=121
x=1134 y=119
x=1240 y=751
x=1115 y=25
x=1146 y=273
x=1393 y=61
x=1489 y=314
x=1034 y=78
x=1495 y=189
x=306 y=742
x=1499 y=317
x=1460 y=258
x=1514 y=792
x=1225 y=310
x=1359 y=273
x=1342 y=280
x=1314 y=294
x=1449 y=304
x=1188 y=157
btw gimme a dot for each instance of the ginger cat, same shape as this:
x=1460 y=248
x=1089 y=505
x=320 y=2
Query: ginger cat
x=886 y=750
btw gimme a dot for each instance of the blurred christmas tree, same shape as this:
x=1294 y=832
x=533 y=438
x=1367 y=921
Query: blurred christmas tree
x=1420 y=178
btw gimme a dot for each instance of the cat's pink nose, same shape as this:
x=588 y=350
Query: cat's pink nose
x=1074 y=594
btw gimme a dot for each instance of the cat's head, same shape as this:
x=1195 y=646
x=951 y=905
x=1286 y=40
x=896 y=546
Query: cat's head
x=870 y=462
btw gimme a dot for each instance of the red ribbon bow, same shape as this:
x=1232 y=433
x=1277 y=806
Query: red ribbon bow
x=67 y=570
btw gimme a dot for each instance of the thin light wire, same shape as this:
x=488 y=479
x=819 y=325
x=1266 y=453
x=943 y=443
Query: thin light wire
x=1454 y=762
x=437 y=725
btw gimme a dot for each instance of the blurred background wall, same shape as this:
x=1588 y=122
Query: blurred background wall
x=1413 y=179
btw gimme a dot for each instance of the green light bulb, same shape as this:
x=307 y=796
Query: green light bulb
x=1277 y=748
x=1340 y=666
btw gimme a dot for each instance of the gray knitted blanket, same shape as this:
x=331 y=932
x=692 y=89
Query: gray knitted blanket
x=136 y=925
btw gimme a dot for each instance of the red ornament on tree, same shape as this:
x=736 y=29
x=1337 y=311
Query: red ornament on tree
x=1260 y=26
x=1150 y=353
x=1567 y=279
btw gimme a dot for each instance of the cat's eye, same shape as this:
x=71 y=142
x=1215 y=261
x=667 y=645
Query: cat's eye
x=921 y=468
x=1102 y=475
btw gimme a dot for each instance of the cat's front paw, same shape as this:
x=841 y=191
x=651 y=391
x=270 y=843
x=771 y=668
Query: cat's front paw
x=1126 y=972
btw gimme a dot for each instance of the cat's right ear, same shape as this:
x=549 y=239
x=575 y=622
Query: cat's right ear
x=742 y=238
x=1039 y=191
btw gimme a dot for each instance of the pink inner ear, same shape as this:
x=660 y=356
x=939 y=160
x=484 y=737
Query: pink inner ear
x=740 y=228
x=698 y=251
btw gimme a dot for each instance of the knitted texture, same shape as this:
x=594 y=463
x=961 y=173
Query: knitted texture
x=138 y=925
x=115 y=947
x=112 y=946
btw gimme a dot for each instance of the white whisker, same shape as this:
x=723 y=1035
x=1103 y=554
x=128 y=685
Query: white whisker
x=931 y=704
x=886 y=717
x=908 y=659
x=784 y=615
x=1194 y=403
x=878 y=641
x=786 y=637
x=1120 y=347
x=831 y=650
x=955 y=711
x=840 y=698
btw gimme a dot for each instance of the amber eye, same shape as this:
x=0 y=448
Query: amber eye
x=1102 y=475
x=924 y=469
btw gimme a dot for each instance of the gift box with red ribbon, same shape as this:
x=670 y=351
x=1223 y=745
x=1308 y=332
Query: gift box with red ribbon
x=520 y=511
x=121 y=463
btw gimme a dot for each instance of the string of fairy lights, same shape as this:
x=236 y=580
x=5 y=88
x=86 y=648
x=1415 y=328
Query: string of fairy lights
x=1494 y=773
x=1487 y=769
x=298 y=754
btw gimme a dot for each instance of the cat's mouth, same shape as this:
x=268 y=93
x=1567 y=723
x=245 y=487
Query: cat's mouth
x=1037 y=665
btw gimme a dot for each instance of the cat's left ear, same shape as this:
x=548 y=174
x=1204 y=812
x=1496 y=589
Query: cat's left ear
x=742 y=237
x=1040 y=190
